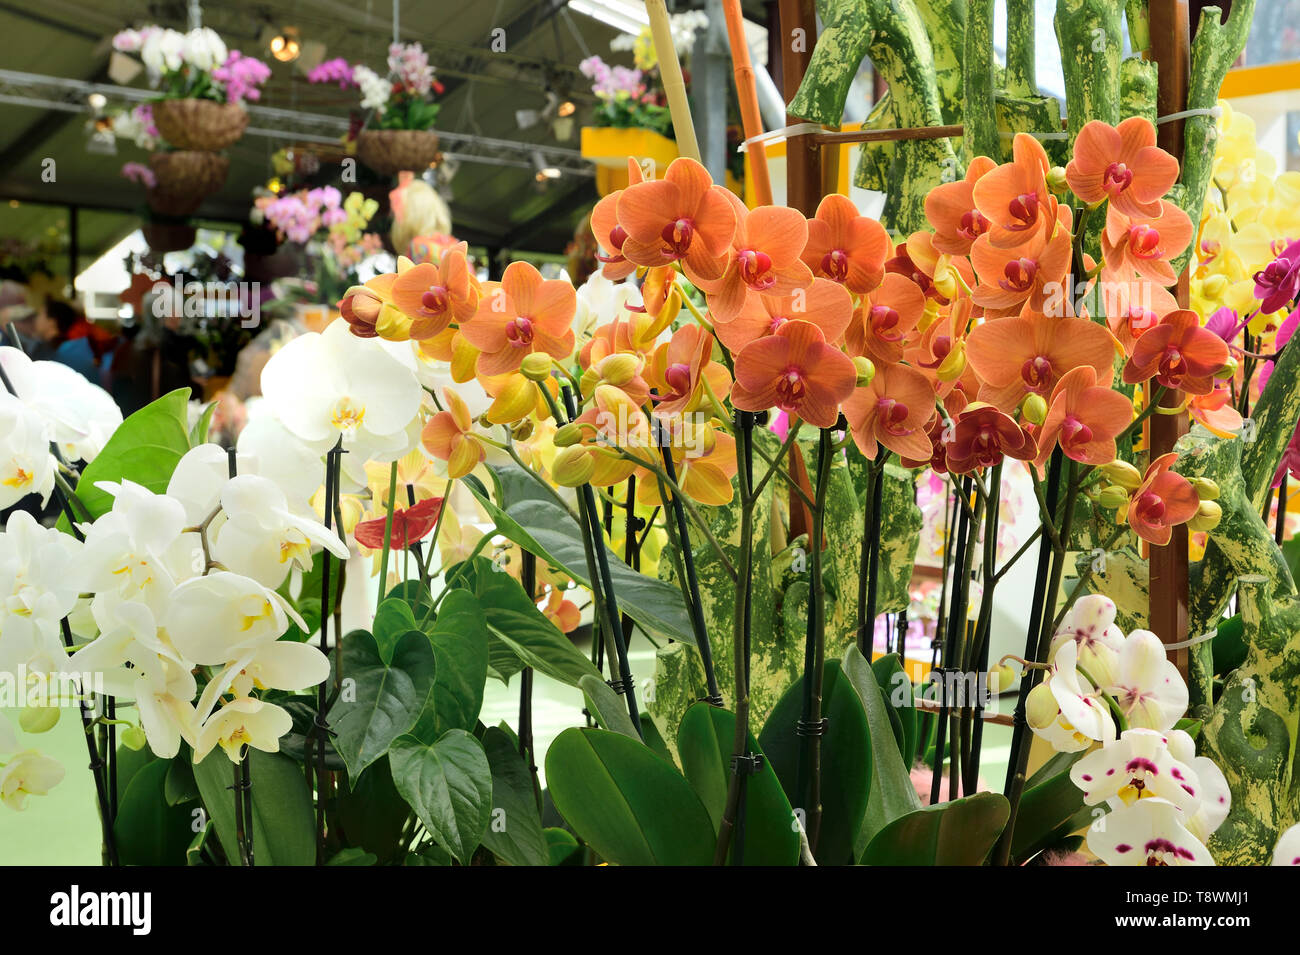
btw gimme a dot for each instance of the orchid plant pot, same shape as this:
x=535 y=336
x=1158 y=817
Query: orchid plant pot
x=184 y=179
x=390 y=151
x=200 y=124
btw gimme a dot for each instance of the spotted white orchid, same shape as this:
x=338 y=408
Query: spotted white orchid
x=1137 y=766
x=26 y=465
x=28 y=773
x=1215 y=795
x=1091 y=625
x=1287 y=850
x=1146 y=684
x=1066 y=709
x=1150 y=832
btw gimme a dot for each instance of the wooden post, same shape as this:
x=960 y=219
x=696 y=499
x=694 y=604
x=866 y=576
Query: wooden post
x=803 y=177
x=1171 y=50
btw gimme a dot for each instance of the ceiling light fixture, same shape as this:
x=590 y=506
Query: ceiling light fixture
x=285 y=46
x=544 y=169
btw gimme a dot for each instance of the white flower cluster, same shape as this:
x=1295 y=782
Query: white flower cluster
x=1165 y=801
x=165 y=51
x=375 y=89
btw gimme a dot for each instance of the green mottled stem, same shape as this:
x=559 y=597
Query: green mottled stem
x=1090 y=35
x=1022 y=74
x=980 y=133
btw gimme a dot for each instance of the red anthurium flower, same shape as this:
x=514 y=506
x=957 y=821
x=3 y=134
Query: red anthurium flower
x=519 y=315
x=1133 y=308
x=1144 y=244
x=1011 y=277
x=1015 y=357
x=796 y=371
x=682 y=217
x=1084 y=416
x=433 y=296
x=983 y=435
x=951 y=210
x=1014 y=197
x=1121 y=164
x=1215 y=412
x=893 y=410
x=846 y=246
x=410 y=525
x=764 y=259
x=886 y=319
x=826 y=304
x=609 y=234
x=1178 y=353
x=1162 y=501
x=679 y=369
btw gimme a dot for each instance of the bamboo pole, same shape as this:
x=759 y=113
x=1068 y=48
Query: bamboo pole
x=747 y=93
x=670 y=69
x=803 y=157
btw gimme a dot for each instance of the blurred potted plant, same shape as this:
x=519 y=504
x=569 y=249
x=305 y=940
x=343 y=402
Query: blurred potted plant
x=397 y=132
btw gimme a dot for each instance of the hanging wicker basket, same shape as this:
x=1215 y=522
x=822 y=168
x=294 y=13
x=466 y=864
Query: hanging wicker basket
x=184 y=179
x=199 y=123
x=390 y=151
x=169 y=236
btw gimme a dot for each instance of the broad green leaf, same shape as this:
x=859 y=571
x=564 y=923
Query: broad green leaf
x=534 y=521
x=897 y=691
x=960 y=832
x=385 y=699
x=892 y=793
x=608 y=707
x=625 y=802
x=372 y=812
x=449 y=785
x=393 y=619
x=180 y=785
x=460 y=644
x=704 y=742
x=149 y=830
x=514 y=833
x=145 y=449
x=845 y=761
x=284 y=824
x=353 y=857
x=199 y=433
x=1043 y=810
x=561 y=847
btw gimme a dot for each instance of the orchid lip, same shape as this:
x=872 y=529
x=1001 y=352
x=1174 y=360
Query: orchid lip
x=678 y=234
x=520 y=331
x=1116 y=178
x=835 y=265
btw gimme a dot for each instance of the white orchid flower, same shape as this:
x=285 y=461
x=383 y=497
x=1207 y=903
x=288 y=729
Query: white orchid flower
x=279 y=665
x=163 y=51
x=138 y=550
x=28 y=774
x=1147 y=685
x=261 y=537
x=204 y=49
x=128 y=633
x=1287 y=850
x=36 y=588
x=240 y=723
x=1081 y=718
x=273 y=452
x=26 y=465
x=164 y=702
x=79 y=415
x=1137 y=766
x=1216 y=796
x=215 y=619
x=1149 y=832
x=200 y=475
x=1091 y=624
x=331 y=385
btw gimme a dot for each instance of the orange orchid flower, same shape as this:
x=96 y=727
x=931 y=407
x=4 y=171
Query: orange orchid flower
x=703 y=474
x=433 y=296
x=1014 y=197
x=521 y=314
x=682 y=217
x=448 y=436
x=953 y=404
x=622 y=370
x=1133 y=308
x=1084 y=416
x=1015 y=357
x=615 y=422
x=893 y=410
x=918 y=259
x=846 y=246
x=957 y=223
x=362 y=305
x=561 y=611
x=1178 y=353
x=1027 y=273
x=883 y=323
x=609 y=234
x=796 y=371
x=679 y=369
x=982 y=436
x=826 y=304
x=1121 y=164
x=1144 y=244
x=1216 y=413
x=1162 y=501
x=764 y=258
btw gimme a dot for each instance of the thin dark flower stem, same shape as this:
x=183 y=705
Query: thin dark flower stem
x=692 y=584
x=869 y=559
x=980 y=657
x=241 y=832
x=97 y=765
x=1279 y=532
x=320 y=729
x=528 y=578
x=243 y=786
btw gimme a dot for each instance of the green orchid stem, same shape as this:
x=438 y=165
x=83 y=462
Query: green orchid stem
x=318 y=736
x=528 y=578
x=775 y=465
x=869 y=559
x=97 y=766
x=388 y=534
x=1121 y=721
x=977 y=659
x=1145 y=413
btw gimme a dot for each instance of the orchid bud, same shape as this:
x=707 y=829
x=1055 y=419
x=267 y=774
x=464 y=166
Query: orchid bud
x=866 y=370
x=951 y=368
x=1040 y=707
x=620 y=369
x=573 y=466
x=1000 y=678
x=523 y=430
x=38 y=719
x=536 y=366
x=1207 y=517
x=1112 y=497
x=567 y=435
x=392 y=324
x=1034 y=409
x=1229 y=369
x=1206 y=489
x=945 y=281
x=1123 y=474
x=1214 y=286
x=134 y=738
x=1056 y=180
